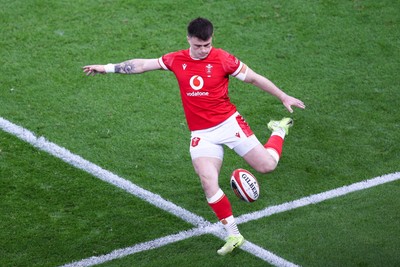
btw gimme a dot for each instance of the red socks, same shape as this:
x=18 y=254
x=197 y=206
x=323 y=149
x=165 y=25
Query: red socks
x=276 y=143
x=222 y=207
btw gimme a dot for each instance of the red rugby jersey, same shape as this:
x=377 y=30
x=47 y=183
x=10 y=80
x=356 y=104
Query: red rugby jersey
x=203 y=85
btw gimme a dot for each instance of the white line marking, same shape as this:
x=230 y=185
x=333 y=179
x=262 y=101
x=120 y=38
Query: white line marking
x=107 y=176
x=216 y=228
x=313 y=199
x=120 y=253
x=260 y=252
x=104 y=175
x=203 y=226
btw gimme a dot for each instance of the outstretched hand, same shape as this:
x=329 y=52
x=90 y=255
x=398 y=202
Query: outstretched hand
x=289 y=101
x=94 y=69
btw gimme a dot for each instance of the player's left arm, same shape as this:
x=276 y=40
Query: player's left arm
x=249 y=76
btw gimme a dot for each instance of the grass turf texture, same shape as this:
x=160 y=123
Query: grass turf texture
x=53 y=213
x=340 y=57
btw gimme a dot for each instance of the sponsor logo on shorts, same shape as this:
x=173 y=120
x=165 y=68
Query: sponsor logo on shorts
x=195 y=141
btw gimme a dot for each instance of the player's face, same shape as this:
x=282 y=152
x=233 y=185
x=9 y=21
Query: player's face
x=199 y=49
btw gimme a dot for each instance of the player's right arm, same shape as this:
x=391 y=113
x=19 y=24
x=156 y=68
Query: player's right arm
x=133 y=66
x=249 y=76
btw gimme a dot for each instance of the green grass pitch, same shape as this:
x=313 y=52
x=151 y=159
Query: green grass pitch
x=340 y=57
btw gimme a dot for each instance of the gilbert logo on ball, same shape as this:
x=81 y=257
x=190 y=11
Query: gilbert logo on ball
x=245 y=185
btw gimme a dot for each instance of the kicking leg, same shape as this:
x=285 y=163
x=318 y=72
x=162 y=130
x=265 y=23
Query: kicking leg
x=265 y=158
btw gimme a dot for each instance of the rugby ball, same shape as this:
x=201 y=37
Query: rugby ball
x=245 y=185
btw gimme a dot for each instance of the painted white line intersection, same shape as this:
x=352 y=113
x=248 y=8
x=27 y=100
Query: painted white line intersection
x=201 y=225
x=65 y=155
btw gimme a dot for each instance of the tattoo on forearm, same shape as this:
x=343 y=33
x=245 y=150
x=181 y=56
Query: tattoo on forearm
x=125 y=67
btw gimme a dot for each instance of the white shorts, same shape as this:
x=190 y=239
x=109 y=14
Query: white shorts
x=233 y=132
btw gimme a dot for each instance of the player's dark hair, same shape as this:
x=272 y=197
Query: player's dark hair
x=201 y=28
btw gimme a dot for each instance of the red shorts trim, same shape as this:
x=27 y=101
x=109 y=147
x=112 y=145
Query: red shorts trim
x=244 y=126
